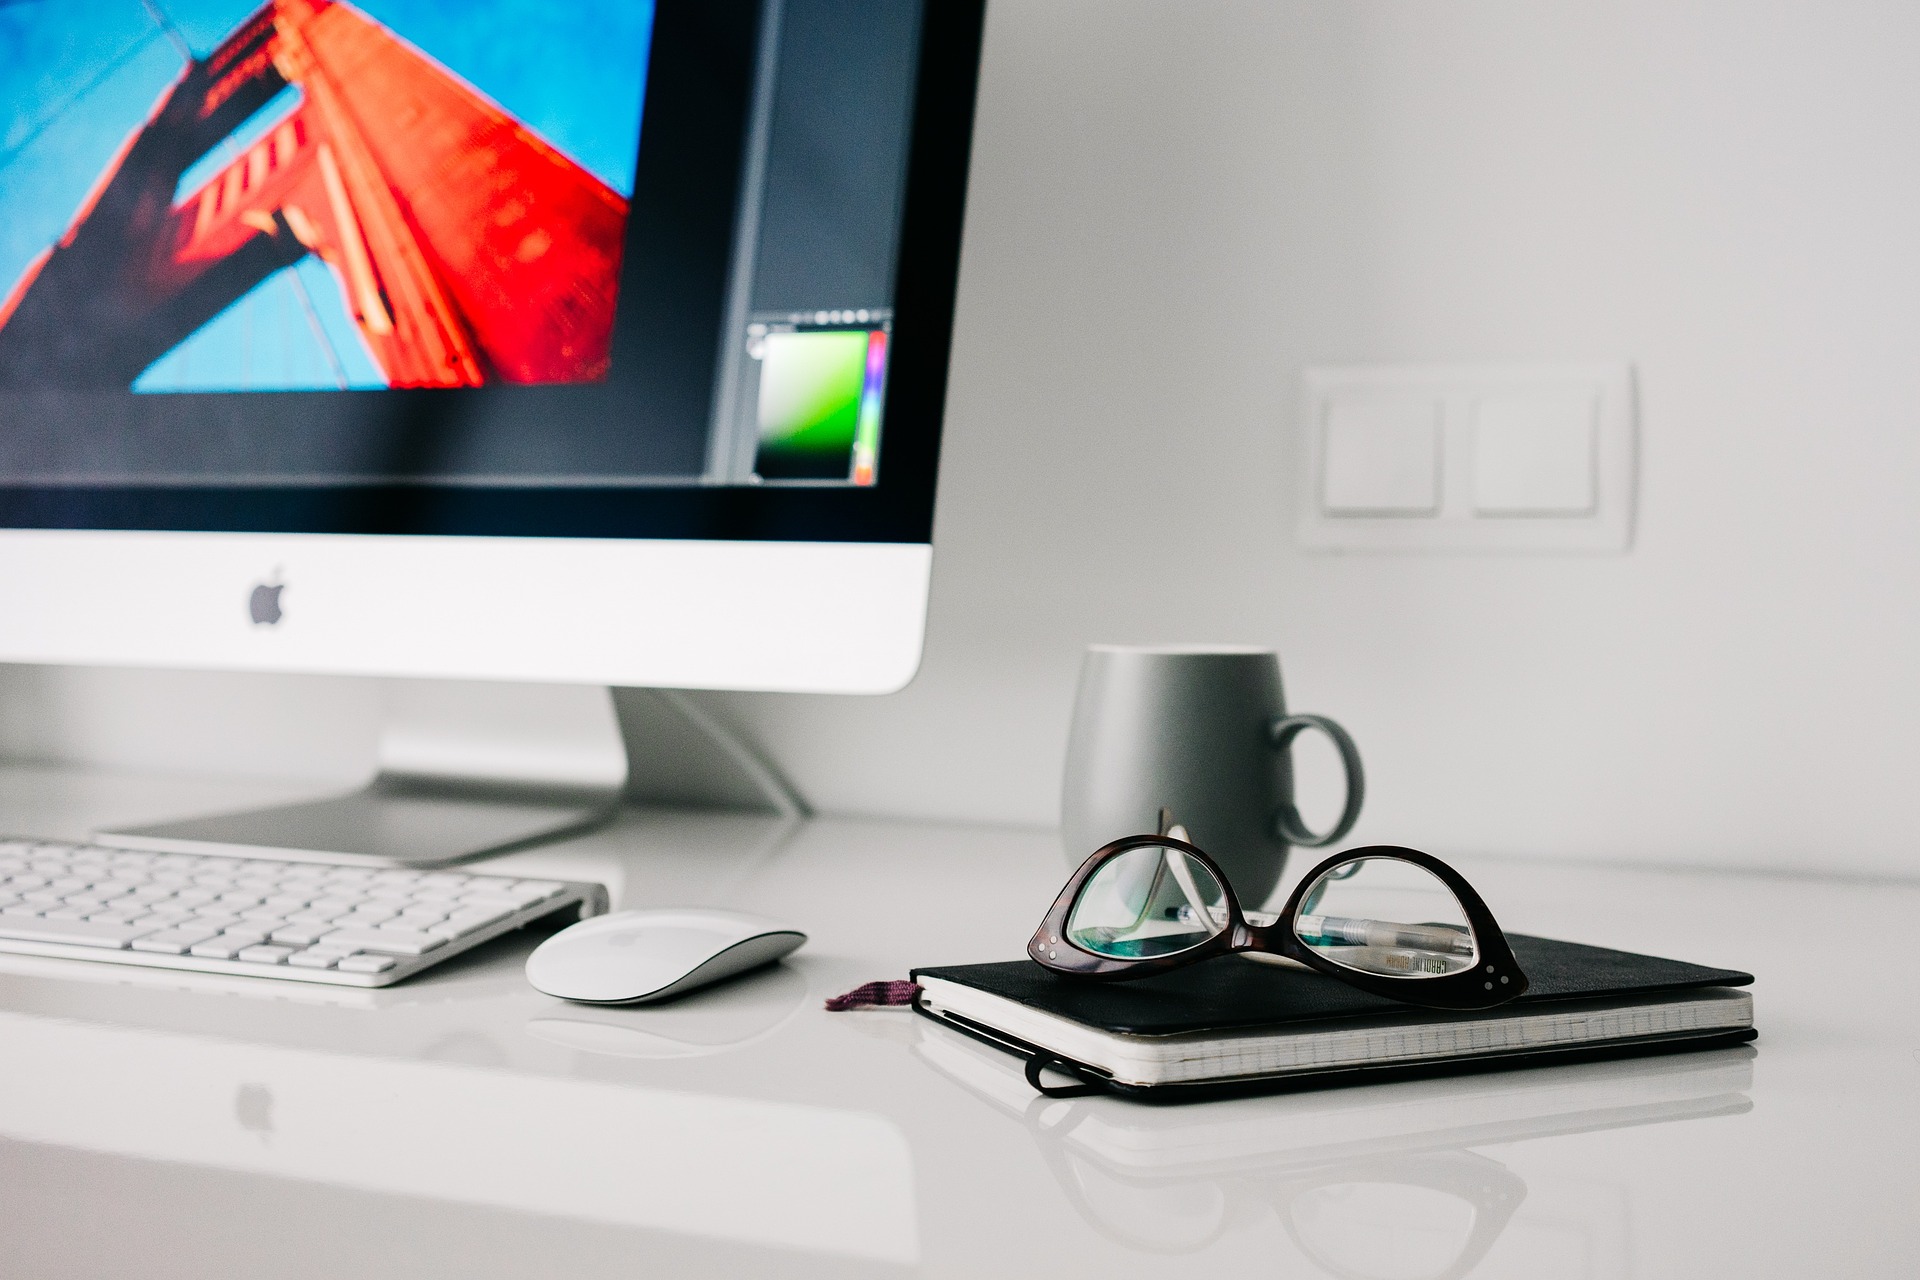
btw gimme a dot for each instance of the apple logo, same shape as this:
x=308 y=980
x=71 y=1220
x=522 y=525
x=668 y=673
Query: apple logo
x=263 y=606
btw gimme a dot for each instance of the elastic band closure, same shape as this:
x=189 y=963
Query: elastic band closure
x=1041 y=1061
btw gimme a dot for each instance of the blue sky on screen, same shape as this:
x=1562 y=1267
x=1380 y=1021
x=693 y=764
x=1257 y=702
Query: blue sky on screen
x=77 y=77
x=267 y=339
x=251 y=130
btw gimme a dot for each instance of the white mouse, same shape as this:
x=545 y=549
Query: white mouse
x=635 y=957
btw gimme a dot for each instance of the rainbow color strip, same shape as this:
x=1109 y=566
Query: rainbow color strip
x=866 y=439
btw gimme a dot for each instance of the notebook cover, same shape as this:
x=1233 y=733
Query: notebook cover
x=1227 y=993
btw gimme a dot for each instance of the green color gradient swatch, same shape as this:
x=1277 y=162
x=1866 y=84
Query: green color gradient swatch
x=810 y=385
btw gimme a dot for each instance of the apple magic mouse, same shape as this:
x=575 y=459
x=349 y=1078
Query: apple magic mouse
x=635 y=957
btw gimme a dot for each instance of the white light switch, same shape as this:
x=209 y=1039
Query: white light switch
x=1381 y=456
x=1467 y=457
x=1533 y=455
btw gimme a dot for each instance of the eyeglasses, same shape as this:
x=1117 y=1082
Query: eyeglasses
x=1395 y=922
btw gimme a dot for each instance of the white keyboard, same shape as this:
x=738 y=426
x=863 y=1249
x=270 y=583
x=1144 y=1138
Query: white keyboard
x=304 y=921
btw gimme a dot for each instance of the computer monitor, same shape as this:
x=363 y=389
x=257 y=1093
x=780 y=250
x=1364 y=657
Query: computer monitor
x=602 y=342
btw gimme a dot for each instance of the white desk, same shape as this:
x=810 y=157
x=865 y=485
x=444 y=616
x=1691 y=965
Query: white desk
x=462 y=1125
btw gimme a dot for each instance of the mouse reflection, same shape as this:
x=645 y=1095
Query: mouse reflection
x=738 y=1013
x=1367 y=1184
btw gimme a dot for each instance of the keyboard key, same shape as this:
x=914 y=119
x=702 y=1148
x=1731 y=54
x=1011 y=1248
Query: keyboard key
x=464 y=923
x=301 y=935
x=393 y=942
x=172 y=942
x=314 y=958
x=265 y=955
x=366 y=964
x=488 y=902
x=222 y=947
x=77 y=933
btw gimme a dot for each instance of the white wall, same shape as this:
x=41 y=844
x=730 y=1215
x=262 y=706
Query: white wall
x=1176 y=207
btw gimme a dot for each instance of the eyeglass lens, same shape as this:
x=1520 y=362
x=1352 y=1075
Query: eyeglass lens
x=1386 y=916
x=1150 y=901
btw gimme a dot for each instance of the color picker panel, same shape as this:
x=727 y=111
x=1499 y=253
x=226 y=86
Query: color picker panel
x=811 y=386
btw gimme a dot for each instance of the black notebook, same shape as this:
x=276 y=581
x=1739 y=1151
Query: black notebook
x=1232 y=1024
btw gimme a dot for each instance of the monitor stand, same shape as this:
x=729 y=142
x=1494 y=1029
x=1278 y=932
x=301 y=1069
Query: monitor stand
x=469 y=769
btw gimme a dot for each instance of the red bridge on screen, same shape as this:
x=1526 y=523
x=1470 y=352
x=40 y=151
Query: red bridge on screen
x=467 y=249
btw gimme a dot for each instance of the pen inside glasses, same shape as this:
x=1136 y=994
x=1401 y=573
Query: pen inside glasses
x=1446 y=939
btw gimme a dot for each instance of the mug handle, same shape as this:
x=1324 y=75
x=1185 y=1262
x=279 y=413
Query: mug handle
x=1281 y=734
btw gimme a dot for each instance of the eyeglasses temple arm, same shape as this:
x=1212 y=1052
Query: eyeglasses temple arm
x=1183 y=876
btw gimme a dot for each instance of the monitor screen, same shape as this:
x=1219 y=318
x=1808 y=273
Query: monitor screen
x=612 y=268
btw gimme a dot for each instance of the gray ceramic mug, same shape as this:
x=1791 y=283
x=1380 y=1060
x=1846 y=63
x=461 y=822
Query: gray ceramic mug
x=1202 y=731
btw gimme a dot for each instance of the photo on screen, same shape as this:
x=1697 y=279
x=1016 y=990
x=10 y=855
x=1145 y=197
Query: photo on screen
x=309 y=195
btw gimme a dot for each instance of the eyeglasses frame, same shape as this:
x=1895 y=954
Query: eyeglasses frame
x=1495 y=978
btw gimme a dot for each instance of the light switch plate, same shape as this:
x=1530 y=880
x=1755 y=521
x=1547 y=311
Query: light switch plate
x=1524 y=457
x=1533 y=454
x=1382 y=456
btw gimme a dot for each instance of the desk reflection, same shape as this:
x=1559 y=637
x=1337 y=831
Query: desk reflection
x=1366 y=1183
x=454 y=1139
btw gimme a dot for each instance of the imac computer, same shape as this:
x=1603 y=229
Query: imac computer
x=493 y=346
